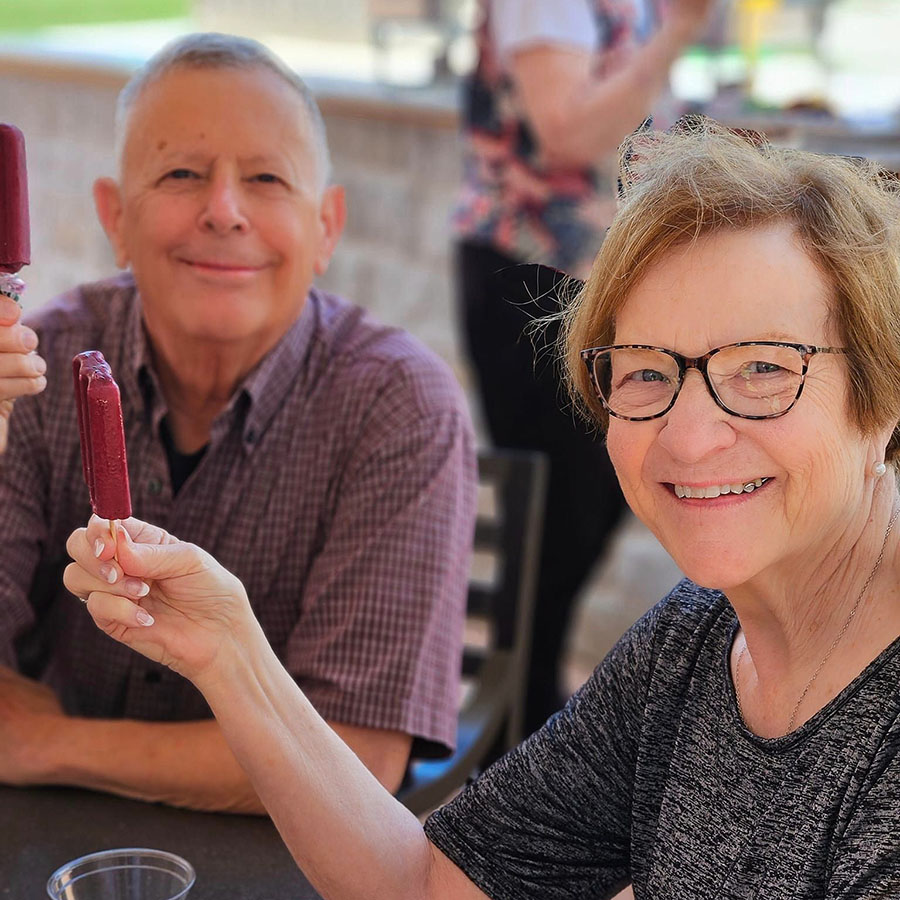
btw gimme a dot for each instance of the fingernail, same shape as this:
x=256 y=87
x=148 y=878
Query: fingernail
x=136 y=587
x=98 y=548
x=109 y=572
x=29 y=340
x=143 y=617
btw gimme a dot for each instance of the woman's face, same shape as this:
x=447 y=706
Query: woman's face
x=757 y=284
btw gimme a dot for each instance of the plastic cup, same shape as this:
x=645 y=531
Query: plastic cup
x=132 y=873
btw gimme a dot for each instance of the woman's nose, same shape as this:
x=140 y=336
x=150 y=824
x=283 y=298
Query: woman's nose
x=224 y=212
x=696 y=425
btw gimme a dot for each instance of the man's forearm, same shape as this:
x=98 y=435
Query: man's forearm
x=184 y=764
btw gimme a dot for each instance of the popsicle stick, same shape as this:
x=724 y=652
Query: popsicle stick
x=113 y=528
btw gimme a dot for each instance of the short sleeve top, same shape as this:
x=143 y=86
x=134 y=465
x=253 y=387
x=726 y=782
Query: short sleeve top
x=650 y=776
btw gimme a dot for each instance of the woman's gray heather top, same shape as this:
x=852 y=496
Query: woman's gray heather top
x=650 y=776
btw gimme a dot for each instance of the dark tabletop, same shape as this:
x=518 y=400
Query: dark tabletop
x=235 y=857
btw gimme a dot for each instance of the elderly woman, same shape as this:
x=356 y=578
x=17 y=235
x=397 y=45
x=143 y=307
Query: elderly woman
x=740 y=335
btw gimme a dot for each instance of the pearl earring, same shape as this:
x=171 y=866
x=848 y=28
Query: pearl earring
x=879 y=469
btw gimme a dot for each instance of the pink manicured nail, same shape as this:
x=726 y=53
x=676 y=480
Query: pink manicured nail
x=136 y=587
x=109 y=572
x=98 y=548
x=143 y=617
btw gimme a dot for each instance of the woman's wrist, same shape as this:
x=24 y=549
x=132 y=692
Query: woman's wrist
x=242 y=648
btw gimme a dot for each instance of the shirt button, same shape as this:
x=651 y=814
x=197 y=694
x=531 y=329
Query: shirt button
x=155 y=486
x=251 y=437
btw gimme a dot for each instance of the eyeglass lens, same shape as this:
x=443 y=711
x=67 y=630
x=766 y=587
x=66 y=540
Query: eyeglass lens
x=755 y=380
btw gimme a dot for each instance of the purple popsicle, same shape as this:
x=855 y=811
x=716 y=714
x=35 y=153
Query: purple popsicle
x=102 y=436
x=15 y=239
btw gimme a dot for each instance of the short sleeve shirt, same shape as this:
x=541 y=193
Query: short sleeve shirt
x=338 y=485
x=516 y=24
x=650 y=776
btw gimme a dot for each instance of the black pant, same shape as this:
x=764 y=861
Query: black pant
x=526 y=407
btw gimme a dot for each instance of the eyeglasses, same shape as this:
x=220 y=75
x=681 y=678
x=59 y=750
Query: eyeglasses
x=750 y=379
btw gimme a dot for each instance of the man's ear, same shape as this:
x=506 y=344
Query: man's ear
x=332 y=217
x=108 y=203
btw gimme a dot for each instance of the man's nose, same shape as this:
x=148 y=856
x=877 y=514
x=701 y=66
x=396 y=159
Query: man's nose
x=224 y=211
x=696 y=425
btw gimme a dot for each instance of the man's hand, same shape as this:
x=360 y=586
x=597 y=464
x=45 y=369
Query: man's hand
x=21 y=369
x=29 y=714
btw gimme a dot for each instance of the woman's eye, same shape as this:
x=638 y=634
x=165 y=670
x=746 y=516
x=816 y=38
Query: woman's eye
x=759 y=367
x=267 y=178
x=181 y=174
x=646 y=375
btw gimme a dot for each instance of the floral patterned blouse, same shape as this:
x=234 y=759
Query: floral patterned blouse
x=510 y=198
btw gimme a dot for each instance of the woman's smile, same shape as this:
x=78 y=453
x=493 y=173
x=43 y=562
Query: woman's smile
x=714 y=491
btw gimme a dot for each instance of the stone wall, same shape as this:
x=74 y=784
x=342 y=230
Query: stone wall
x=401 y=178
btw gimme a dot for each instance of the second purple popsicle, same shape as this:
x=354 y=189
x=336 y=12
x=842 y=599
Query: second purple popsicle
x=102 y=435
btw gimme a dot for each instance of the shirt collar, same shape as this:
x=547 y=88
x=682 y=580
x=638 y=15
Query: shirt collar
x=138 y=378
x=269 y=383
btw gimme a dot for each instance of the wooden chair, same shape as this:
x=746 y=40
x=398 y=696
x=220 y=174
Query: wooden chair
x=490 y=720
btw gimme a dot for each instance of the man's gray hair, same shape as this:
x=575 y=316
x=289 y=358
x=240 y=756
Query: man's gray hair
x=211 y=50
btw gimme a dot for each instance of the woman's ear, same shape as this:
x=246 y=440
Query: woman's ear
x=886 y=444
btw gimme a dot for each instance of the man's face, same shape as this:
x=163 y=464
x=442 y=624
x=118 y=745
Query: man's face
x=219 y=211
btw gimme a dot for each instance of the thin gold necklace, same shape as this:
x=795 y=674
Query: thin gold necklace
x=834 y=643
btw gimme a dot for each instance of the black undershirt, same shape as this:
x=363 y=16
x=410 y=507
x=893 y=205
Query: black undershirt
x=181 y=465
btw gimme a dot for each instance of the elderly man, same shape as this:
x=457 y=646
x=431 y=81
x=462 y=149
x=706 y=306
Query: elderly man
x=327 y=460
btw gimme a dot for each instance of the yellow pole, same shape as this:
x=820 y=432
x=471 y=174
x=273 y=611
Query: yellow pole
x=752 y=16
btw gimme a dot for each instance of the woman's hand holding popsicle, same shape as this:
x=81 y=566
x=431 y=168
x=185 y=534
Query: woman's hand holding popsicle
x=164 y=598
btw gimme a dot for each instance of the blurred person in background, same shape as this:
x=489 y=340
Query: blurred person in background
x=558 y=85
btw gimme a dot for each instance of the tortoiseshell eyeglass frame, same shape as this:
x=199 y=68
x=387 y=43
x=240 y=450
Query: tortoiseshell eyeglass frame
x=701 y=364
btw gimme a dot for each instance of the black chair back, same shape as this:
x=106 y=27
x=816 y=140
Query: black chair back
x=508 y=533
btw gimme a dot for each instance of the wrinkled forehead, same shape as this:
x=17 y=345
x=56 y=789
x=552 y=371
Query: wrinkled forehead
x=728 y=286
x=217 y=108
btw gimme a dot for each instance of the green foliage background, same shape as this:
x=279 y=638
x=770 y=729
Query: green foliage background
x=26 y=15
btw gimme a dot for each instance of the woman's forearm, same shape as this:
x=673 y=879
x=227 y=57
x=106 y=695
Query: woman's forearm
x=348 y=834
x=350 y=837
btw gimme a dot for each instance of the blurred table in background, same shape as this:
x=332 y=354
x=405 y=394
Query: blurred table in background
x=822 y=134
x=235 y=857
